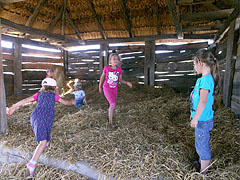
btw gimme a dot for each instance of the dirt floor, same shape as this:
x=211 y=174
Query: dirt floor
x=153 y=138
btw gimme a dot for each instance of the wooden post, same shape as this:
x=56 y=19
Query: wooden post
x=65 y=62
x=3 y=115
x=17 y=68
x=103 y=61
x=230 y=61
x=149 y=63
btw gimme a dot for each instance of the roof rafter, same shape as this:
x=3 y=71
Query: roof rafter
x=156 y=10
x=90 y=2
x=32 y=18
x=175 y=17
x=73 y=25
x=126 y=18
x=63 y=17
x=9 y=1
x=34 y=31
x=55 y=20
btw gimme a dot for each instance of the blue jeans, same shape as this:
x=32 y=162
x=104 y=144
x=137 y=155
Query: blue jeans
x=202 y=137
x=79 y=102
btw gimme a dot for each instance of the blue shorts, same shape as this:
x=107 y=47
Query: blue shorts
x=202 y=137
x=79 y=102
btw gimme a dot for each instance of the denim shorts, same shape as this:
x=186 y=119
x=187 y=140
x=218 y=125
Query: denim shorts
x=202 y=137
x=79 y=102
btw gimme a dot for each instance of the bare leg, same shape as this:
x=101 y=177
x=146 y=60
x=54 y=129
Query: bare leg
x=39 y=150
x=204 y=166
x=110 y=115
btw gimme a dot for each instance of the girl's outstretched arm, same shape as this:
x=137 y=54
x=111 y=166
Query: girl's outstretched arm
x=18 y=104
x=67 y=102
x=101 y=82
x=125 y=82
x=200 y=107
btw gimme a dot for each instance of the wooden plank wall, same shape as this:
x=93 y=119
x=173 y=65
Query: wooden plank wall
x=8 y=70
x=33 y=68
x=221 y=54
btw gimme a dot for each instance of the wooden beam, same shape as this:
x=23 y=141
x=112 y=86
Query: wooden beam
x=30 y=30
x=221 y=31
x=230 y=62
x=3 y=115
x=149 y=63
x=17 y=69
x=201 y=28
x=73 y=25
x=32 y=18
x=206 y=16
x=2 y=2
x=175 y=17
x=150 y=38
x=127 y=21
x=100 y=28
x=55 y=20
x=156 y=11
x=191 y=2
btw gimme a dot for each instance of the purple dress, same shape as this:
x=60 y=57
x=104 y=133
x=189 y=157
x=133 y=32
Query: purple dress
x=43 y=115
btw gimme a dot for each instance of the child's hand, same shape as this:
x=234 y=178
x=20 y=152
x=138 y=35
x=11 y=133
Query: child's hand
x=84 y=101
x=194 y=123
x=10 y=110
x=129 y=84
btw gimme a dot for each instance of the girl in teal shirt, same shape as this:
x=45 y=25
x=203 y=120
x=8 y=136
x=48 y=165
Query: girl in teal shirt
x=201 y=104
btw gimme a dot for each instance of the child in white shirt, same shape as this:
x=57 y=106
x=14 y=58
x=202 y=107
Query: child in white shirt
x=80 y=96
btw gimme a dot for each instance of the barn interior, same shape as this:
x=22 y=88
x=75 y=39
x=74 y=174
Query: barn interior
x=156 y=41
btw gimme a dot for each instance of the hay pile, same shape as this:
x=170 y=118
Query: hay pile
x=153 y=138
x=18 y=172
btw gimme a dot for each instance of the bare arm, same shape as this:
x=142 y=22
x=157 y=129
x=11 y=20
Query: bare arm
x=200 y=107
x=18 y=104
x=67 y=102
x=101 y=82
x=125 y=82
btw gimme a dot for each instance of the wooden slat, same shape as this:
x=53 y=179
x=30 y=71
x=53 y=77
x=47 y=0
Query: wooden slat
x=171 y=67
x=38 y=59
x=235 y=106
x=7 y=50
x=8 y=57
x=38 y=66
x=7 y=68
x=2 y=2
x=34 y=52
x=183 y=47
x=33 y=75
x=183 y=57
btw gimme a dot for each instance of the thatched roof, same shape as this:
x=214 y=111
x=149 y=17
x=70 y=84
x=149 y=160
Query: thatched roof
x=108 y=19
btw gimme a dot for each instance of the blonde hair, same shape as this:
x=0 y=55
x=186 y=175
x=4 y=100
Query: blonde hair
x=114 y=54
x=47 y=89
x=207 y=57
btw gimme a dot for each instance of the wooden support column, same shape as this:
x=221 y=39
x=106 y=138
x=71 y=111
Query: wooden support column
x=65 y=62
x=17 y=68
x=3 y=115
x=230 y=62
x=103 y=61
x=149 y=63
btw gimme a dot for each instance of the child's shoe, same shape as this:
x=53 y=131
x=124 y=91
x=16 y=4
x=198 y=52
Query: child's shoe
x=31 y=167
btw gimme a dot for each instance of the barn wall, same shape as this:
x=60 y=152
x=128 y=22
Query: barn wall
x=221 y=54
x=34 y=65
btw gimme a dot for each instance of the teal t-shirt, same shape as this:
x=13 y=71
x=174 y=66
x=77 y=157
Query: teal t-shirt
x=205 y=82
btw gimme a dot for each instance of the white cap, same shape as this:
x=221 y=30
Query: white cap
x=78 y=85
x=49 y=82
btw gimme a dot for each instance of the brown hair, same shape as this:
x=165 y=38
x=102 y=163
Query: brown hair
x=206 y=56
x=113 y=54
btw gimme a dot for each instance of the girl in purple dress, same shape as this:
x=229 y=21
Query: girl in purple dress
x=42 y=116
